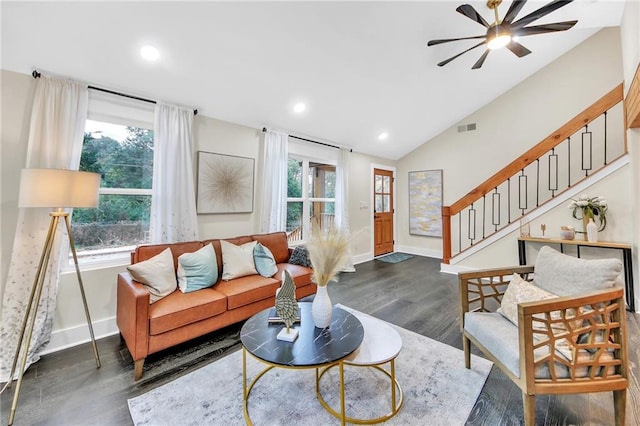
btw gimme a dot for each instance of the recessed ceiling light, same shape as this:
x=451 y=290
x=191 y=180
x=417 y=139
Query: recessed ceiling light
x=299 y=107
x=149 y=53
x=382 y=136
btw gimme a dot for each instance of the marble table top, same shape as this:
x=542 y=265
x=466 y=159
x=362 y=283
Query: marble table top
x=381 y=342
x=313 y=347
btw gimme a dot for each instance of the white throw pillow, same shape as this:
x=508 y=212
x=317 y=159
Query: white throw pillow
x=237 y=261
x=157 y=274
x=520 y=291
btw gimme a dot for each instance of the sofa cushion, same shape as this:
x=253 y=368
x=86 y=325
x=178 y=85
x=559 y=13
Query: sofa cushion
x=237 y=261
x=197 y=270
x=277 y=244
x=145 y=252
x=567 y=275
x=218 y=249
x=301 y=274
x=180 y=309
x=157 y=274
x=300 y=256
x=264 y=261
x=245 y=290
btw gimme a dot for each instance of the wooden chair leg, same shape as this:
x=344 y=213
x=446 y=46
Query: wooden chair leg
x=137 y=370
x=466 y=345
x=529 y=404
x=620 y=405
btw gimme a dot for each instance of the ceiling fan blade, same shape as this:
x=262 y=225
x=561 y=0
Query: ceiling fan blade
x=447 y=40
x=480 y=61
x=537 y=14
x=468 y=11
x=445 y=62
x=546 y=28
x=518 y=49
x=515 y=7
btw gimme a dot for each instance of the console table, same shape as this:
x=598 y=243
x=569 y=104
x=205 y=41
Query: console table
x=626 y=257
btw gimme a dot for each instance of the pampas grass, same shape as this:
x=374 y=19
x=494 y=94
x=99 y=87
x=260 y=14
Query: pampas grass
x=328 y=252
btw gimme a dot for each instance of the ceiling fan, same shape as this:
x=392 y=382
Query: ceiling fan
x=503 y=33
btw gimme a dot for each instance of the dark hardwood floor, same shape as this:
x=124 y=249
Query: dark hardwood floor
x=65 y=388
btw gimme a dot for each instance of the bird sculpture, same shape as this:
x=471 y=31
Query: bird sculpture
x=286 y=304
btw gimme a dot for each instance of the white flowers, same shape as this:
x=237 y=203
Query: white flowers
x=590 y=207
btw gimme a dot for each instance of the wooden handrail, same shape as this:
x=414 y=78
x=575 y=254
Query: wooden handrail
x=585 y=117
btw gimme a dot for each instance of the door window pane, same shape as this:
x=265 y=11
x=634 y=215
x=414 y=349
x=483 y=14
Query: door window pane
x=386 y=203
x=379 y=204
x=378 y=182
x=386 y=187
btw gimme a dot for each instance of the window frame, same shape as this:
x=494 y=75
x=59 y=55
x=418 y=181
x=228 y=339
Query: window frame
x=306 y=200
x=113 y=109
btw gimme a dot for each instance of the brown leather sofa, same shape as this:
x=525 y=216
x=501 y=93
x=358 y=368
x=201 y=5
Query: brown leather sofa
x=149 y=328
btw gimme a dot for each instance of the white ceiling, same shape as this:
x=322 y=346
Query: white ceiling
x=361 y=67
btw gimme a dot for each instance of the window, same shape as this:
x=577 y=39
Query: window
x=311 y=193
x=123 y=155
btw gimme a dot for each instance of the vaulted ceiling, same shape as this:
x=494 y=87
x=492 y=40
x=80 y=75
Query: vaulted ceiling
x=361 y=68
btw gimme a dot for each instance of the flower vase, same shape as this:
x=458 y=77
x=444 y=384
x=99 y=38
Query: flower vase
x=321 y=308
x=585 y=224
x=592 y=231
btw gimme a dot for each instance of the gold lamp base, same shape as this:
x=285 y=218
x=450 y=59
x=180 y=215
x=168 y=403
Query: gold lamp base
x=34 y=300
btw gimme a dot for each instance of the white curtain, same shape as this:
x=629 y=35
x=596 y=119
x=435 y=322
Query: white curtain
x=273 y=215
x=342 y=198
x=173 y=203
x=55 y=141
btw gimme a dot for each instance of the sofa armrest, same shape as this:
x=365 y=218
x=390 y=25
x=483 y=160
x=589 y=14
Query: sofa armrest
x=132 y=315
x=482 y=290
x=590 y=327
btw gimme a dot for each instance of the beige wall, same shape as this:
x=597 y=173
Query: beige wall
x=211 y=135
x=630 y=40
x=510 y=125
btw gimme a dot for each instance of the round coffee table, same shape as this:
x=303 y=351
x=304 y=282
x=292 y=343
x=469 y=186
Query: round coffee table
x=381 y=345
x=314 y=348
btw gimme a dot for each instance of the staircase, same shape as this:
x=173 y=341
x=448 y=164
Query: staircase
x=590 y=145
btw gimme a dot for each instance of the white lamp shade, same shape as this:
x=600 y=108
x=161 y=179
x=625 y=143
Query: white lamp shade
x=57 y=188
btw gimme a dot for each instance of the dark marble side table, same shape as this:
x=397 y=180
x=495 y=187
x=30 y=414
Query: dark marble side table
x=314 y=348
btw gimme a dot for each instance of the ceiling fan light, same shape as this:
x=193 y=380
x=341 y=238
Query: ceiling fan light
x=498 y=37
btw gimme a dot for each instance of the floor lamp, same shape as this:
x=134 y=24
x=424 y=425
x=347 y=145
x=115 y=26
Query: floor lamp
x=58 y=189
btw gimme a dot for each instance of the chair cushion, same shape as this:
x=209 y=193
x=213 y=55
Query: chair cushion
x=565 y=275
x=520 y=291
x=500 y=337
x=179 y=309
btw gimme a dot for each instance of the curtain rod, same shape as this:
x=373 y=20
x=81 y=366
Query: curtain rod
x=36 y=74
x=264 y=129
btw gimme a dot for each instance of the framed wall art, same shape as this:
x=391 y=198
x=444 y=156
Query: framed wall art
x=425 y=203
x=225 y=183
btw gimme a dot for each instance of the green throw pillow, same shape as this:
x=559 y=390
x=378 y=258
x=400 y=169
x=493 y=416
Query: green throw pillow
x=264 y=260
x=197 y=270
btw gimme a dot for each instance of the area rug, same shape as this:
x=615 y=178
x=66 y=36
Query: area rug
x=438 y=390
x=395 y=257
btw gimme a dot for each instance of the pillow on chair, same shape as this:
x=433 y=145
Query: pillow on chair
x=567 y=275
x=520 y=291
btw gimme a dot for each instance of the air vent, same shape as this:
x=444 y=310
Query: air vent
x=466 y=127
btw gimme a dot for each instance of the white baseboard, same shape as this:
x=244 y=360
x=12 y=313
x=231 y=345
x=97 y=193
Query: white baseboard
x=361 y=258
x=420 y=251
x=73 y=336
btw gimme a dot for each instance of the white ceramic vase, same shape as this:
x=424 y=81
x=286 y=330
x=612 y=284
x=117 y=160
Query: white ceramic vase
x=321 y=308
x=592 y=231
